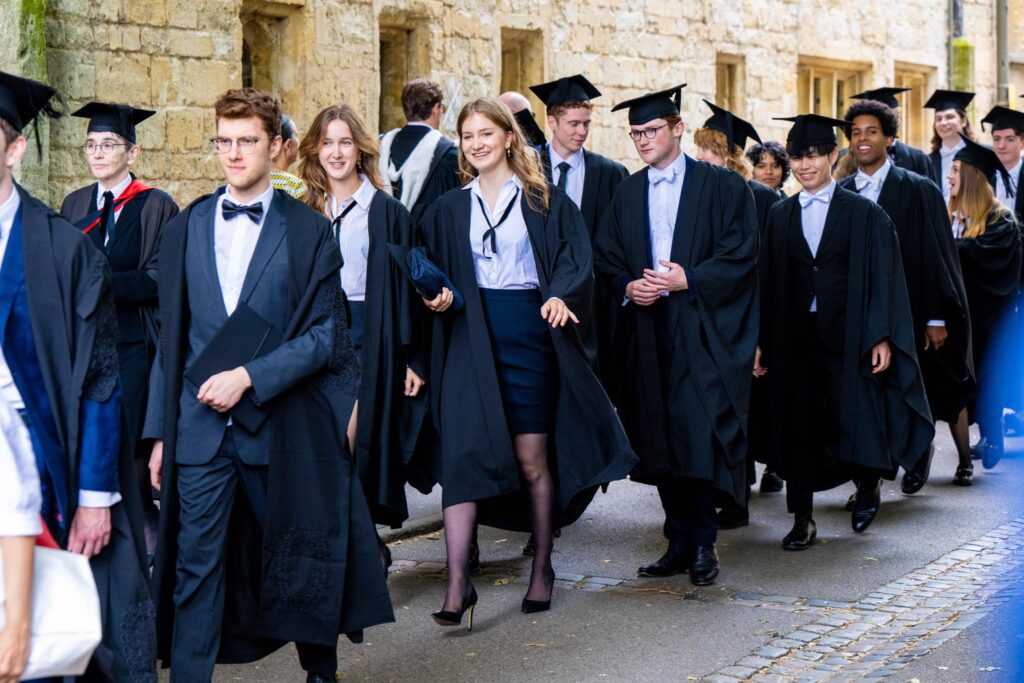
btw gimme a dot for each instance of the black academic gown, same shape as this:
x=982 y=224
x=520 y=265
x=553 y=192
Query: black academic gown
x=935 y=286
x=684 y=364
x=132 y=258
x=991 y=264
x=389 y=422
x=476 y=460
x=911 y=159
x=883 y=420
x=313 y=571
x=601 y=177
x=74 y=325
x=444 y=177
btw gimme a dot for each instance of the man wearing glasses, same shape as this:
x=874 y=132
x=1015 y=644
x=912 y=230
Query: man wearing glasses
x=266 y=537
x=124 y=218
x=678 y=248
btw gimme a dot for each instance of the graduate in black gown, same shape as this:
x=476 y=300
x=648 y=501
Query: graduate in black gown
x=339 y=163
x=678 y=247
x=951 y=120
x=59 y=370
x=938 y=302
x=900 y=153
x=125 y=218
x=989 y=244
x=838 y=345
x=771 y=165
x=527 y=435
x=418 y=163
x=590 y=181
x=720 y=142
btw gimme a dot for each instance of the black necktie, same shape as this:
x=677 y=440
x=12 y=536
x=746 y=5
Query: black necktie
x=230 y=210
x=491 y=232
x=336 y=223
x=107 y=218
x=563 y=174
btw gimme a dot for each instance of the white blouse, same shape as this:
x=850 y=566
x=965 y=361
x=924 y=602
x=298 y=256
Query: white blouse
x=20 y=499
x=512 y=264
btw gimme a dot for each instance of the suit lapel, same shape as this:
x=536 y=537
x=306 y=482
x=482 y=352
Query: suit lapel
x=203 y=215
x=686 y=217
x=831 y=216
x=271 y=235
x=591 y=184
x=890 y=191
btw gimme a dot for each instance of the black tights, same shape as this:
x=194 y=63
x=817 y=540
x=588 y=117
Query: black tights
x=460 y=522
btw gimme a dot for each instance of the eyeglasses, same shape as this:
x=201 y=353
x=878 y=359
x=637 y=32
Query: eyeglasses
x=245 y=145
x=107 y=146
x=648 y=133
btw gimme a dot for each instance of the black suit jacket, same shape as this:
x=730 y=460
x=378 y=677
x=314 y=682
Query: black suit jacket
x=601 y=177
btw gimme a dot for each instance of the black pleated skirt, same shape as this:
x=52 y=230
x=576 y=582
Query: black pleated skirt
x=523 y=357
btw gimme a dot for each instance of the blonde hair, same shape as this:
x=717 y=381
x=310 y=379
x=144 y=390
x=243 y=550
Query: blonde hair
x=735 y=159
x=524 y=164
x=975 y=201
x=846 y=166
x=312 y=171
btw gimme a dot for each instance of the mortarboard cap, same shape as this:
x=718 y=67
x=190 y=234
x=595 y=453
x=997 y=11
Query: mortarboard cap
x=736 y=129
x=569 y=89
x=113 y=118
x=1002 y=118
x=22 y=100
x=813 y=130
x=983 y=159
x=886 y=96
x=653 y=105
x=941 y=100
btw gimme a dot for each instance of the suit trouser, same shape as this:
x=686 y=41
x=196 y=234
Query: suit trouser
x=812 y=431
x=690 y=519
x=207 y=494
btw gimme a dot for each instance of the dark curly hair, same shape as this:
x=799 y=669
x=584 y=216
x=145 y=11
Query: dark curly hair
x=777 y=151
x=886 y=117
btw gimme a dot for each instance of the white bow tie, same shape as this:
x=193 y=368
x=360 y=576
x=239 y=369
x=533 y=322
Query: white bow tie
x=807 y=198
x=656 y=176
x=863 y=180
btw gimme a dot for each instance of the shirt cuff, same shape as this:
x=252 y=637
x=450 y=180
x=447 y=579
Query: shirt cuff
x=936 y=323
x=98 y=499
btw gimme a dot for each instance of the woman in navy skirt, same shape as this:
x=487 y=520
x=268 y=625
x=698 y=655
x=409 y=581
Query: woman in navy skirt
x=527 y=434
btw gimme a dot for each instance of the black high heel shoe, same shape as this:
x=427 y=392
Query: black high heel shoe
x=534 y=606
x=447 y=618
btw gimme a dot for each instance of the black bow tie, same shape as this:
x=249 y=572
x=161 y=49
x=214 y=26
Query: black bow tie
x=230 y=210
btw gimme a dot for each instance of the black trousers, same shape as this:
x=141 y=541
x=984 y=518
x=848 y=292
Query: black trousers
x=812 y=422
x=207 y=494
x=690 y=519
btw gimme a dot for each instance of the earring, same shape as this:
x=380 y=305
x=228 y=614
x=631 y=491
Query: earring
x=508 y=152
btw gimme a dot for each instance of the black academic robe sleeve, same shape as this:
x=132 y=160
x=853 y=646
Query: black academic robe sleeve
x=139 y=285
x=444 y=178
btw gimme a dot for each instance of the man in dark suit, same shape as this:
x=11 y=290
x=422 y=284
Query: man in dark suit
x=245 y=263
x=418 y=161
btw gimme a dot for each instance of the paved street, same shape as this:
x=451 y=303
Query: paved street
x=931 y=592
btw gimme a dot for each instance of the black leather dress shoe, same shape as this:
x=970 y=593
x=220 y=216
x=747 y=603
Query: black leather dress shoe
x=317 y=678
x=866 y=507
x=671 y=563
x=704 y=567
x=802 y=535
x=915 y=478
x=771 y=482
x=992 y=454
x=733 y=516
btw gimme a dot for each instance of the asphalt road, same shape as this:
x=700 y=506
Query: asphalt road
x=927 y=593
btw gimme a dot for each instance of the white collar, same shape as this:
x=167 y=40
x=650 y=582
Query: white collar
x=263 y=199
x=825 y=192
x=1015 y=171
x=947 y=151
x=9 y=209
x=362 y=196
x=880 y=175
x=474 y=185
x=116 y=190
x=418 y=123
x=574 y=160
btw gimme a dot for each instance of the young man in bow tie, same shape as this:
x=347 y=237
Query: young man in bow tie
x=265 y=534
x=837 y=345
x=938 y=302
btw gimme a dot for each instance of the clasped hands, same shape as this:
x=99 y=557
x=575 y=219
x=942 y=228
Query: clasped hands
x=646 y=290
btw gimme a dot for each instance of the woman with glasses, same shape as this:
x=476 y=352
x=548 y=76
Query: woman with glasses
x=988 y=243
x=125 y=218
x=526 y=432
x=339 y=164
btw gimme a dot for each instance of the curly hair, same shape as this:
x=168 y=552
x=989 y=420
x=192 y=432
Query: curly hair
x=241 y=103
x=715 y=140
x=776 y=150
x=887 y=118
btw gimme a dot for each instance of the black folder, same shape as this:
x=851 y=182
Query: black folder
x=244 y=337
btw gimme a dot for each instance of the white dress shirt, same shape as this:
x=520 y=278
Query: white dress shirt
x=20 y=498
x=1001 y=194
x=946 y=154
x=354 y=238
x=576 y=173
x=663 y=196
x=960 y=225
x=513 y=266
x=234 y=242
x=870 y=186
x=117 y=191
x=813 y=212
x=8 y=210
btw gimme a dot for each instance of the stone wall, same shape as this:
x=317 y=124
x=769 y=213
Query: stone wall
x=178 y=55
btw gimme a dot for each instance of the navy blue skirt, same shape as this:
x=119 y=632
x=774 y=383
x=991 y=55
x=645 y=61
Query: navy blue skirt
x=356 y=322
x=523 y=357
